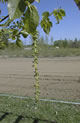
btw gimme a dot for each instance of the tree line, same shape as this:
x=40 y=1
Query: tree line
x=67 y=43
x=62 y=43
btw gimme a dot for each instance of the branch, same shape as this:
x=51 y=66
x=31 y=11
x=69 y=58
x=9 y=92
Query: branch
x=4 y=18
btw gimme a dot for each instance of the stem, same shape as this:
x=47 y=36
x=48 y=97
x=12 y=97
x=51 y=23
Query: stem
x=35 y=64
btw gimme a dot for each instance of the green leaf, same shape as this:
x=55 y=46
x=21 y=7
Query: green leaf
x=15 y=32
x=57 y=18
x=45 y=15
x=46 y=24
x=13 y=37
x=24 y=34
x=31 y=19
x=2 y=45
x=77 y=3
x=37 y=1
x=55 y=12
x=59 y=14
x=62 y=12
x=19 y=43
x=16 y=8
x=31 y=1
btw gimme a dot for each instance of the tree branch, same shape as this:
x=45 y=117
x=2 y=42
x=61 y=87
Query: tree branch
x=4 y=18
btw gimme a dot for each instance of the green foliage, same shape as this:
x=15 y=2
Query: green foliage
x=61 y=43
x=45 y=15
x=24 y=34
x=67 y=43
x=4 y=35
x=19 y=42
x=16 y=8
x=77 y=3
x=2 y=45
x=30 y=1
x=56 y=112
x=31 y=19
x=59 y=14
x=15 y=32
x=37 y=1
x=46 y=24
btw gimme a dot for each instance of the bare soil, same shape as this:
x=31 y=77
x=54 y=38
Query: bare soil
x=59 y=77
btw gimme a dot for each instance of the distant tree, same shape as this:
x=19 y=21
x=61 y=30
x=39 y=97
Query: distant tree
x=4 y=37
x=41 y=40
x=64 y=43
x=46 y=41
x=52 y=41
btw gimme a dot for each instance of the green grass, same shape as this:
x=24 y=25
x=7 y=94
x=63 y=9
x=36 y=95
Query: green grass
x=61 y=52
x=44 y=51
x=61 y=113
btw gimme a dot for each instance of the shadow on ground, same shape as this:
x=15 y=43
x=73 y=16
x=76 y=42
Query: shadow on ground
x=20 y=117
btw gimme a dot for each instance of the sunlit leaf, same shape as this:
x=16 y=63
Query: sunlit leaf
x=46 y=24
x=62 y=12
x=55 y=12
x=31 y=19
x=37 y=1
x=59 y=14
x=24 y=34
x=16 y=8
x=45 y=15
x=19 y=43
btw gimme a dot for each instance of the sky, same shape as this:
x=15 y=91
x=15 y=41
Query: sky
x=68 y=28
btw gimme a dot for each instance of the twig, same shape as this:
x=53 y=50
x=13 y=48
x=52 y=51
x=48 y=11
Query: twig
x=4 y=18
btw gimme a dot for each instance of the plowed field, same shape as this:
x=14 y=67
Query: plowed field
x=59 y=77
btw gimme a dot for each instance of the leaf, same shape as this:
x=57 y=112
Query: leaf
x=19 y=43
x=31 y=1
x=31 y=19
x=58 y=21
x=13 y=37
x=77 y=3
x=46 y=24
x=45 y=15
x=59 y=14
x=24 y=34
x=37 y=1
x=55 y=12
x=62 y=12
x=16 y=8
x=2 y=45
x=15 y=32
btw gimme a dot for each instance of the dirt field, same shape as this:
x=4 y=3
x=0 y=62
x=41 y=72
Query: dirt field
x=59 y=77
